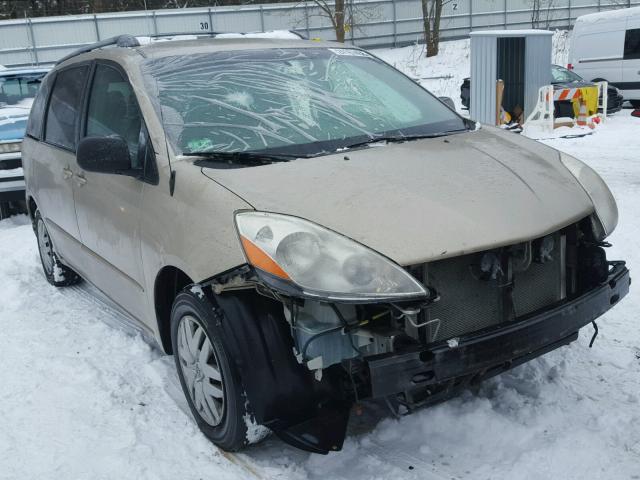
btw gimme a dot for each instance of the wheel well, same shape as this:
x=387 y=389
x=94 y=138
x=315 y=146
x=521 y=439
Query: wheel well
x=169 y=282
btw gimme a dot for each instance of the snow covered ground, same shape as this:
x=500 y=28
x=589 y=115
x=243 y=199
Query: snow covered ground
x=83 y=396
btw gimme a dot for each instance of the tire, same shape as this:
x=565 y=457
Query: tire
x=208 y=375
x=4 y=210
x=635 y=103
x=56 y=273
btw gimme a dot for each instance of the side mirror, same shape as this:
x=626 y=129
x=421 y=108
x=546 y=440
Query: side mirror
x=448 y=102
x=105 y=155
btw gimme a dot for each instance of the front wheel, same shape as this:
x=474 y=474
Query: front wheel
x=209 y=378
x=56 y=273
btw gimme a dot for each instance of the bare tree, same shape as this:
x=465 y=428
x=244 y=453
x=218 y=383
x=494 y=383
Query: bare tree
x=431 y=15
x=541 y=13
x=336 y=14
x=344 y=15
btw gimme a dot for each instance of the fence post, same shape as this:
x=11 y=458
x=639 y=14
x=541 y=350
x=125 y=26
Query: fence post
x=95 y=24
x=569 y=12
x=155 y=23
x=505 y=14
x=353 y=21
x=470 y=15
x=306 y=19
x=395 y=24
x=261 y=18
x=210 y=20
x=34 y=49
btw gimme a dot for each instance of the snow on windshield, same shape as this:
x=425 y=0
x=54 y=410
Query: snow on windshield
x=234 y=101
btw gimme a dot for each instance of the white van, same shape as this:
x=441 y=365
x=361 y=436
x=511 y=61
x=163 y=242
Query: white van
x=606 y=46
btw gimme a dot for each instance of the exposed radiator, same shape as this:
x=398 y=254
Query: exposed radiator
x=469 y=303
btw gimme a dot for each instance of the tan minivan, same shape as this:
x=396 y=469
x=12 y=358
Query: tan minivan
x=304 y=227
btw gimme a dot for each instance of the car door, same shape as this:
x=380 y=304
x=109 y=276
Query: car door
x=54 y=160
x=108 y=205
x=631 y=62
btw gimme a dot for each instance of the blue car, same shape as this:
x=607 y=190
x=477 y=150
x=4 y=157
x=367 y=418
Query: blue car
x=18 y=87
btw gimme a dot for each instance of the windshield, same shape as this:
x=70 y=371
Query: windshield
x=291 y=101
x=562 y=75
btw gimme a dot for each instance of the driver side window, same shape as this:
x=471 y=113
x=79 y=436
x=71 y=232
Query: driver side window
x=113 y=110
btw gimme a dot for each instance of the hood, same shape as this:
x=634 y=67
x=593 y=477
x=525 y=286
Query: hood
x=423 y=200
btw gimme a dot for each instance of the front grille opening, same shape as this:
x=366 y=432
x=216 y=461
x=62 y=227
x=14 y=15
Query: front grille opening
x=488 y=288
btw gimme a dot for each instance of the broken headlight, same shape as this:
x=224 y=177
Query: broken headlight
x=319 y=262
x=601 y=196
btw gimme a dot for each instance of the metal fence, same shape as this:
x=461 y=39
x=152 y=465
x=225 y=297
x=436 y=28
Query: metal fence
x=378 y=23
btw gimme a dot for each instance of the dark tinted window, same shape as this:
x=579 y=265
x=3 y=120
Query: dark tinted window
x=113 y=110
x=62 y=116
x=632 y=44
x=36 y=117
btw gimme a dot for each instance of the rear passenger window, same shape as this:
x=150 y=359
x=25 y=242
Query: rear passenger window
x=62 y=116
x=113 y=110
x=632 y=44
x=36 y=117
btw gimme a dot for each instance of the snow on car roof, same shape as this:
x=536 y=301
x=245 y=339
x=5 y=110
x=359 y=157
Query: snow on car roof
x=273 y=34
x=510 y=33
x=23 y=70
x=194 y=45
x=618 y=14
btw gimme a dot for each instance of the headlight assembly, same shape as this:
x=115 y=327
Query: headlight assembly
x=601 y=196
x=319 y=262
x=10 y=147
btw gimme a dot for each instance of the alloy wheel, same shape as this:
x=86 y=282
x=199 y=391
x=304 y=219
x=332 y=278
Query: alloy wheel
x=201 y=370
x=45 y=247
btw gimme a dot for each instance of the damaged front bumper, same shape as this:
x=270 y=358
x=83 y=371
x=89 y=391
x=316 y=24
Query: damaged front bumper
x=311 y=412
x=425 y=375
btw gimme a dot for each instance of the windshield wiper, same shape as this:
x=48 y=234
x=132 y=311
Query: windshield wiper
x=250 y=157
x=400 y=138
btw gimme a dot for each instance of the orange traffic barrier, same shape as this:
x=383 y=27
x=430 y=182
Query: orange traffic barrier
x=582 y=115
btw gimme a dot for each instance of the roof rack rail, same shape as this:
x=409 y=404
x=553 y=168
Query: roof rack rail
x=119 y=41
x=130 y=41
x=214 y=34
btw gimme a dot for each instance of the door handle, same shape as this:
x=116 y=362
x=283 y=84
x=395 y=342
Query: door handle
x=81 y=180
x=67 y=173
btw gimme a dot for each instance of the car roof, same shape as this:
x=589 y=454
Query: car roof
x=181 y=46
x=203 y=45
x=23 y=71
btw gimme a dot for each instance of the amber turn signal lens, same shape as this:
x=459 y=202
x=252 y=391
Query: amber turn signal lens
x=259 y=259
